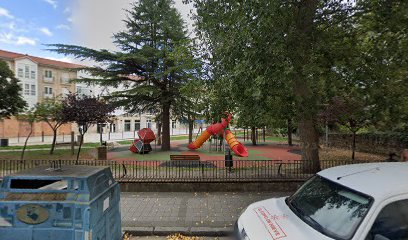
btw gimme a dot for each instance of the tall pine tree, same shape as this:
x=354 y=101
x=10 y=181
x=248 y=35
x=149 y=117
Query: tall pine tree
x=146 y=65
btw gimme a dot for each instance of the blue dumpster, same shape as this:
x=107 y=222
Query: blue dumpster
x=68 y=203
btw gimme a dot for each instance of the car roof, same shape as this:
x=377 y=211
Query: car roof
x=379 y=180
x=75 y=171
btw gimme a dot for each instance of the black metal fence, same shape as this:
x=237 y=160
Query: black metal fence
x=188 y=171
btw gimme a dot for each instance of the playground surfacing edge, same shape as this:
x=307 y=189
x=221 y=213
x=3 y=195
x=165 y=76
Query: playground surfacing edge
x=263 y=151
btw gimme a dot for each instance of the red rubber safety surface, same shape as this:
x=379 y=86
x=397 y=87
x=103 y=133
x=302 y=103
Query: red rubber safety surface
x=264 y=151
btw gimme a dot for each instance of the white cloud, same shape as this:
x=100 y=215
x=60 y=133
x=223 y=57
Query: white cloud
x=53 y=3
x=63 y=27
x=70 y=19
x=21 y=40
x=46 y=31
x=10 y=38
x=5 y=13
x=62 y=59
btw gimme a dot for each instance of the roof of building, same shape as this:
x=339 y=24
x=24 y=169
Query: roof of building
x=379 y=180
x=39 y=60
x=76 y=171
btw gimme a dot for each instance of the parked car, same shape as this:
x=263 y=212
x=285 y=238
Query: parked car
x=353 y=202
x=64 y=203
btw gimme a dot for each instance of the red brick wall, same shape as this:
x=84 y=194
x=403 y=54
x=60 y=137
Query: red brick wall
x=12 y=127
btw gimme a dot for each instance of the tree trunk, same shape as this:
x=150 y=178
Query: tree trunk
x=190 y=129
x=100 y=134
x=166 y=127
x=159 y=135
x=353 y=147
x=80 y=146
x=26 y=141
x=300 y=41
x=309 y=137
x=253 y=136
x=290 y=130
x=54 y=141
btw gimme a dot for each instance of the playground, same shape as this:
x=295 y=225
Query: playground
x=214 y=143
x=269 y=150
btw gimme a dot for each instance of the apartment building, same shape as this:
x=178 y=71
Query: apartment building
x=40 y=78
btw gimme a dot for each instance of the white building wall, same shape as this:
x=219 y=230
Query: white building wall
x=28 y=79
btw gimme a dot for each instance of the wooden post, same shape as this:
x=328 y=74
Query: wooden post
x=244 y=134
x=42 y=136
x=72 y=142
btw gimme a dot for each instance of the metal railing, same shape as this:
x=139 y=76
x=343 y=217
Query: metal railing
x=189 y=171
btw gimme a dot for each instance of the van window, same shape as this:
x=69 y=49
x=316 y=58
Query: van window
x=41 y=184
x=391 y=223
x=330 y=208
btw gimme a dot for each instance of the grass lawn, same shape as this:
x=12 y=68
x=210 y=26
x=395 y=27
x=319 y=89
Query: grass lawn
x=63 y=154
x=47 y=146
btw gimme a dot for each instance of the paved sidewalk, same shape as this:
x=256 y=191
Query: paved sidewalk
x=198 y=213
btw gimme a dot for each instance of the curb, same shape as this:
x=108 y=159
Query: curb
x=188 y=231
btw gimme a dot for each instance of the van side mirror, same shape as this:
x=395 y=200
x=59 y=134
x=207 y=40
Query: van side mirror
x=380 y=237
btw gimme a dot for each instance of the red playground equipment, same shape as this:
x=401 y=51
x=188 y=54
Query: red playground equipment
x=219 y=129
x=142 y=145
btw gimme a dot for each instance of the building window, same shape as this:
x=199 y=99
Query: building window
x=26 y=71
x=148 y=123
x=26 y=89
x=173 y=124
x=48 y=73
x=20 y=72
x=32 y=74
x=137 y=125
x=33 y=90
x=127 y=125
x=113 y=127
x=48 y=90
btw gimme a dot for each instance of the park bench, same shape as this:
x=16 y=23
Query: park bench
x=186 y=161
x=184 y=157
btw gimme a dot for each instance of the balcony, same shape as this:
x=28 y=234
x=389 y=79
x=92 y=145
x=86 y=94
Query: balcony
x=48 y=79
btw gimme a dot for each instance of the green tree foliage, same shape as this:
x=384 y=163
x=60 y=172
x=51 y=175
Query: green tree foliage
x=11 y=101
x=383 y=61
x=193 y=103
x=50 y=111
x=149 y=64
x=291 y=58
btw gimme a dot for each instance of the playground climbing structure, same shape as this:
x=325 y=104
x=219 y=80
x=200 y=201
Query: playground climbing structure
x=220 y=129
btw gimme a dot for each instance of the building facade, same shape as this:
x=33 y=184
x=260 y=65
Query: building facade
x=42 y=78
x=39 y=78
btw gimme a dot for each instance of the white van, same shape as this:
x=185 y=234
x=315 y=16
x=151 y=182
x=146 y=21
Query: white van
x=353 y=202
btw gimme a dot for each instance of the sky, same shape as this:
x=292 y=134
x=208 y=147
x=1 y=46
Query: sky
x=26 y=25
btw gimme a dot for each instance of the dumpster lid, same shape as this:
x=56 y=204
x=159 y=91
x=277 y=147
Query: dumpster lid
x=78 y=171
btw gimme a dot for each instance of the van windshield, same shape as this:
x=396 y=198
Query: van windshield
x=330 y=208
